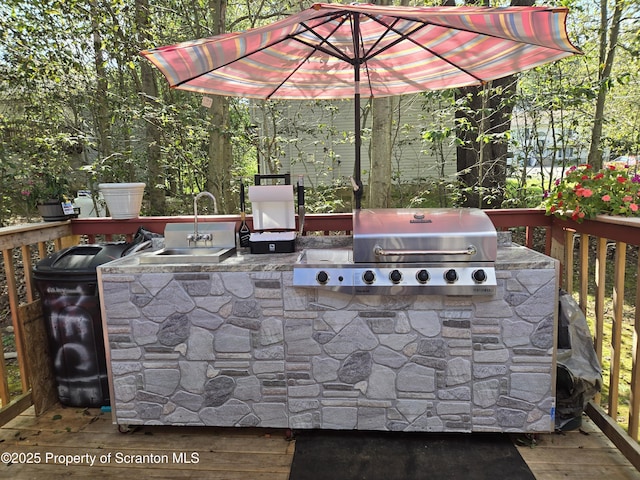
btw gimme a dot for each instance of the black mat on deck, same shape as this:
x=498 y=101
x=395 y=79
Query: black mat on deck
x=351 y=455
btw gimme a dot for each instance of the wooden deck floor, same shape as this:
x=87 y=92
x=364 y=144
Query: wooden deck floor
x=584 y=454
x=81 y=436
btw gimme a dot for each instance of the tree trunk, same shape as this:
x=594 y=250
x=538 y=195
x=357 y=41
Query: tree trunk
x=220 y=154
x=102 y=109
x=381 y=144
x=220 y=161
x=607 y=54
x=481 y=160
x=156 y=180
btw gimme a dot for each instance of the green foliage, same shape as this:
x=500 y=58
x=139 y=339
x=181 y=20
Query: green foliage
x=426 y=193
x=585 y=192
x=46 y=187
x=519 y=196
x=70 y=98
x=328 y=199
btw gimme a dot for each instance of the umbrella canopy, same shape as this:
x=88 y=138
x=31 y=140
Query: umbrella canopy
x=333 y=51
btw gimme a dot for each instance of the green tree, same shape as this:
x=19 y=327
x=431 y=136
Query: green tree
x=152 y=132
x=75 y=93
x=608 y=37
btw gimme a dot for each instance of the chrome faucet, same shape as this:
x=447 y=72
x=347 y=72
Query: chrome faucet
x=196 y=236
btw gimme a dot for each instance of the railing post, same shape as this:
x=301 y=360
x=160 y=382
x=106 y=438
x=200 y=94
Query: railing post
x=583 y=270
x=634 y=400
x=616 y=327
x=569 y=244
x=28 y=280
x=600 y=276
x=558 y=247
x=4 y=382
x=10 y=275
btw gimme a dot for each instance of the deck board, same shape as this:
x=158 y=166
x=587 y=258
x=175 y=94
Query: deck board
x=220 y=453
x=585 y=454
x=245 y=453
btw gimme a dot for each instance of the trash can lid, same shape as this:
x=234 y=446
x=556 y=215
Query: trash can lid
x=81 y=258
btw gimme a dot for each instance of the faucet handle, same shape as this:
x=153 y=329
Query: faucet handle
x=197 y=237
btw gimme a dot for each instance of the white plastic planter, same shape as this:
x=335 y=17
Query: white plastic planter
x=124 y=200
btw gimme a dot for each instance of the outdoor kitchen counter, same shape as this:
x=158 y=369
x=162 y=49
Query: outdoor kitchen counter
x=510 y=256
x=236 y=344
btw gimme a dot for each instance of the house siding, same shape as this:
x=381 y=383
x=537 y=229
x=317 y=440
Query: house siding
x=317 y=140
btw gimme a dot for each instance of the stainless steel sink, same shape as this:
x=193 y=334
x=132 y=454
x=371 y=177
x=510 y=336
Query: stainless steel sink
x=188 y=255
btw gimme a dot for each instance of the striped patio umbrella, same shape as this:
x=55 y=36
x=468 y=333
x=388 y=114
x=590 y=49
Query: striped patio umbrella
x=333 y=51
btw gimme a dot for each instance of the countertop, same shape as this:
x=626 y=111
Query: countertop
x=510 y=257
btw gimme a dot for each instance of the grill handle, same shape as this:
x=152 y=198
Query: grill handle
x=381 y=252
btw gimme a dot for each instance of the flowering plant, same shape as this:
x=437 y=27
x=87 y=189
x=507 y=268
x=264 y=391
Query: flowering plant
x=585 y=193
x=45 y=187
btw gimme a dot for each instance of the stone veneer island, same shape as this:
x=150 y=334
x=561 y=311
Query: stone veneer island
x=235 y=344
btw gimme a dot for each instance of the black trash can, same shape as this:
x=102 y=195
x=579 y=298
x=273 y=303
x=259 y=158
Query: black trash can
x=68 y=286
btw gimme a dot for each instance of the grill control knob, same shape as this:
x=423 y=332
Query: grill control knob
x=322 y=277
x=422 y=276
x=451 y=276
x=395 y=276
x=479 y=276
x=368 y=277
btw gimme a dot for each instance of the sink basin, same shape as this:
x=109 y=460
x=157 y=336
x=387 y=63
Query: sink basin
x=188 y=255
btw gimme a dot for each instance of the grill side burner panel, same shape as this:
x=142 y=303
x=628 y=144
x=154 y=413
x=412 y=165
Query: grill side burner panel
x=408 y=252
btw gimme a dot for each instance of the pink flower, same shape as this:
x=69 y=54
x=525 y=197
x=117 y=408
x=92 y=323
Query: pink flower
x=633 y=207
x=584 y=192
x=627 y=198
x=606 y=198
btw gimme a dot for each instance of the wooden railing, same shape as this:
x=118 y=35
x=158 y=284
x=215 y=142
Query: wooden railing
x=20 y=246
x=533 y=228
x=608 y=236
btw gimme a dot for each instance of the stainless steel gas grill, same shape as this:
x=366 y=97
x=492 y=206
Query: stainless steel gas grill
x=406 y=252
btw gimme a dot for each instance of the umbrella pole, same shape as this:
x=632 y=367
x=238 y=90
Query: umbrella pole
x=357 y=184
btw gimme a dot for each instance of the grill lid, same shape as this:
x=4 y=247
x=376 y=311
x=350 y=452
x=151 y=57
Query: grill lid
x=423 y=235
